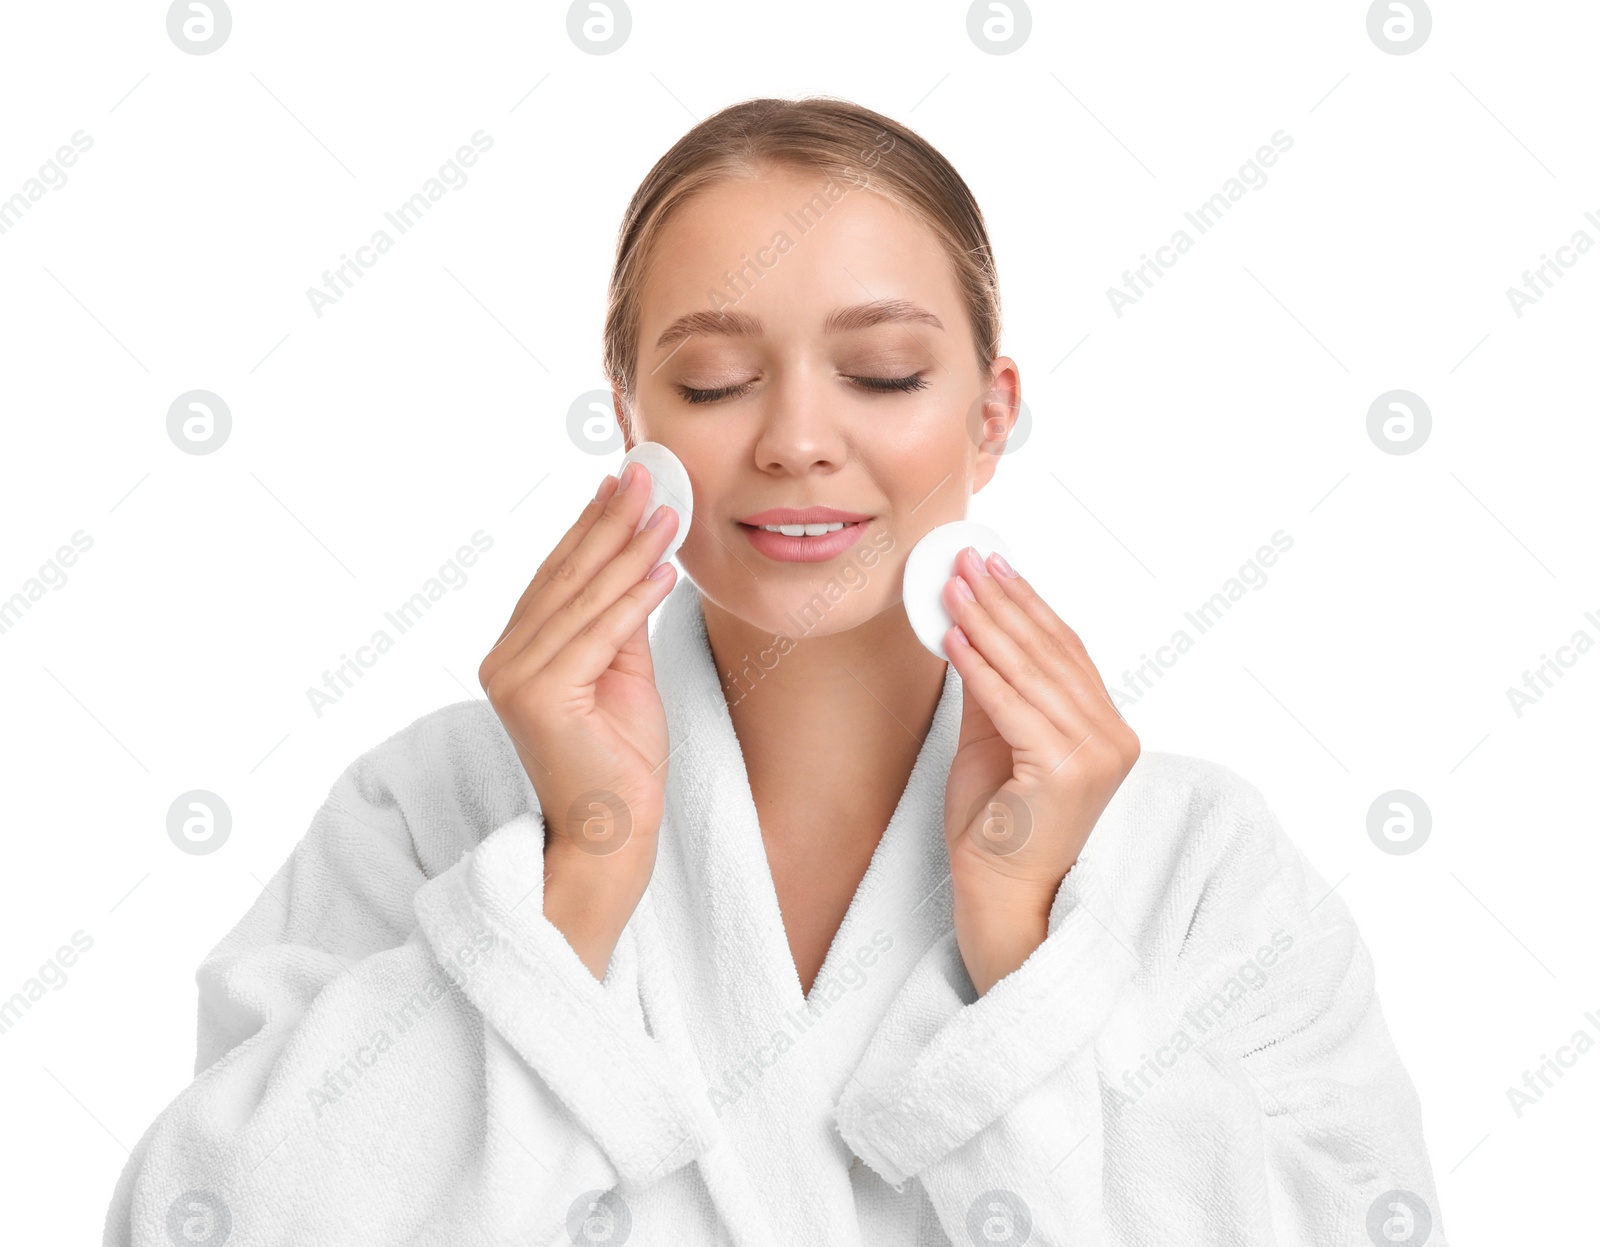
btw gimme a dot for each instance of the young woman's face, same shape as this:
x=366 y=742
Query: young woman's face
x=828 y=362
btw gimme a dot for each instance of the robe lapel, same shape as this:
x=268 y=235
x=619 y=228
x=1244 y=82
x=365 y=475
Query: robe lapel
x=772 y=1062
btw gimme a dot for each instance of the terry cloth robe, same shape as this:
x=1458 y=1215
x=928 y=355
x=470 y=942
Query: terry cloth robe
x=396 y=1046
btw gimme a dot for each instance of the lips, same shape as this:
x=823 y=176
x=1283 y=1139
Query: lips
x=786 y=549
x=803 y=515
x=762 y=527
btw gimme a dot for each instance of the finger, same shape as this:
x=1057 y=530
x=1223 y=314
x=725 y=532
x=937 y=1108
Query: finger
x=1022 y=725
x=564 y=548
x=598 y=626
x=563 y=577
x=1027 y=599
x=1020 y=649
x=619 y=638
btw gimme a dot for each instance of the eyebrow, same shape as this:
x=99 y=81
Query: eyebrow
x=840 y=320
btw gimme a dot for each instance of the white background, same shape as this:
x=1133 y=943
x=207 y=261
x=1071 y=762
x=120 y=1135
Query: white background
x=1167 y=445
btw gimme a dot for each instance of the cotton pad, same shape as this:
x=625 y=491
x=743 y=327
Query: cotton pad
x=932 y=561
x=669 y=483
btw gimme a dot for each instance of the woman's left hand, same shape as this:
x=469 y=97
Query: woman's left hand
x=1042 y=751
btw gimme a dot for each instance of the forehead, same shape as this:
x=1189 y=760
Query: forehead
x=789 y=248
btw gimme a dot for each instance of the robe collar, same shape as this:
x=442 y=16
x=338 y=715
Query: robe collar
x=772 y=1061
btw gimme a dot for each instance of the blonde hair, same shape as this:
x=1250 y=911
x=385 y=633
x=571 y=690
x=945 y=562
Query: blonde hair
x=820 y=133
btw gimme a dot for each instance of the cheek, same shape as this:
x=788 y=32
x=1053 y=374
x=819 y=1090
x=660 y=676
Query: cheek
x=929 y=442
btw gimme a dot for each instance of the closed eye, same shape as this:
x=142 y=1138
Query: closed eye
x=877 y=385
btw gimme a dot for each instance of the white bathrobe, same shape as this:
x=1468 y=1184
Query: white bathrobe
x=396 y=1046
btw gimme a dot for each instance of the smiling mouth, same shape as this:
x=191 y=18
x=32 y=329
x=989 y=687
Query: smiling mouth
x=803 y=530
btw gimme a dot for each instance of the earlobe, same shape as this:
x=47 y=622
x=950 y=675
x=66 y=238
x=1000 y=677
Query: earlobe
x=983 y=471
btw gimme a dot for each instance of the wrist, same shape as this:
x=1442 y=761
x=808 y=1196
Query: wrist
x=589 y=900
x=997 y=929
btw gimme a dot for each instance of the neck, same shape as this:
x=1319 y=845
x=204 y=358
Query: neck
x=828 y=725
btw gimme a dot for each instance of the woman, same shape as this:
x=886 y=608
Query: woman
x=669 y=945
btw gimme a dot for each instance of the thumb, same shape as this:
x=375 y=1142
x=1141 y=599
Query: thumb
x=634 y=654
x=975 y=721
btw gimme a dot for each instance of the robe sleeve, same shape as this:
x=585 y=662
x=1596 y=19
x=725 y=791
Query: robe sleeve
x=384 y=1057
x=1219 y=1072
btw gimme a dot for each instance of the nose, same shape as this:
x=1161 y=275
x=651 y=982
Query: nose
x=801 y=426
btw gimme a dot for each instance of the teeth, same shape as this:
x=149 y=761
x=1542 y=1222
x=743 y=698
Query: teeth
x=803 y=530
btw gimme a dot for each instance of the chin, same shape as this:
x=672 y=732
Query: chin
x=819 y=605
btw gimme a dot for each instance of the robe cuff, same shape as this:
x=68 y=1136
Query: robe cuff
x=484 y=918
x=944 y=1062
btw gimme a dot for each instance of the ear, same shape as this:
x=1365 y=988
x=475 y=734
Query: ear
x=994 y=418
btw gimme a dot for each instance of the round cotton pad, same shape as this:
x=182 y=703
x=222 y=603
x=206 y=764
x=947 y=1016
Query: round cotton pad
x=669 y=483
x=932 y=561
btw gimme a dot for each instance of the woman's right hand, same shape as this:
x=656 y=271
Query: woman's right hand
x=572 y=681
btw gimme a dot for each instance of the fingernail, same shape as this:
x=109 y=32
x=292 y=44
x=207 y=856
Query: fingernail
x=661 y=514
x=964 y=589
x=605 y=483
x=978 y=559
x=1001 y=566
x=629 y=475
